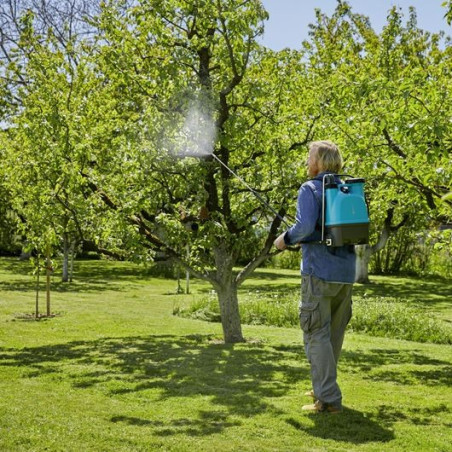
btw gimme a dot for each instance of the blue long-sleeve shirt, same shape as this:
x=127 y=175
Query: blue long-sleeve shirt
x=334 y=264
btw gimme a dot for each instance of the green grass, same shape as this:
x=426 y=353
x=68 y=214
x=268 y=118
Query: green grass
x=116 y=371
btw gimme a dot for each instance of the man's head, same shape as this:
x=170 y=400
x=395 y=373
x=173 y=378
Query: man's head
x=323 y=156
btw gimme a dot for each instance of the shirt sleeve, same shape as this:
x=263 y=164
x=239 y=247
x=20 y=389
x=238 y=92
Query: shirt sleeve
x=306 y=217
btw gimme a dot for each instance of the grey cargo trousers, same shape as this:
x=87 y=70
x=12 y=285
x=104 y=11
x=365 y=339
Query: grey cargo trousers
x=325 y=311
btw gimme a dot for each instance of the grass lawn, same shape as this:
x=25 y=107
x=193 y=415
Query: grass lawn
x=114 y=370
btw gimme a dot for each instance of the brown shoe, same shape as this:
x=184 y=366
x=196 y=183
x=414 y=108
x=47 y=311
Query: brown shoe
x=321 y=407
x=310 y=394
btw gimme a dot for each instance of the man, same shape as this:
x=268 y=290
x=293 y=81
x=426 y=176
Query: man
x=328 y=274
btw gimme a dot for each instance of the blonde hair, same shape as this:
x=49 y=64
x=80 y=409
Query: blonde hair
x=327 y=156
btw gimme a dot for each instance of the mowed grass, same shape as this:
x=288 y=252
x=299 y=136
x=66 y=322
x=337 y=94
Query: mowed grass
x=114 y=370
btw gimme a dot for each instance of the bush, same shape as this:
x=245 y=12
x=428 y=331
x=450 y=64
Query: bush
x=398 y=319
x=428 y=252
x=289 y=260
x=274 y=309
x=205 y=308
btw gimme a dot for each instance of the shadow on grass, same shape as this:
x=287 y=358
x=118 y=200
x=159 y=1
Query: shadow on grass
x=208 y=423
x=75 y=287
x=83 y=268
x=417 y=416
x=428 y=371
x=239 y=380
x=270 y=275
x=350 y=426
x=95 y=275
x=356 y=427
x=90 y=276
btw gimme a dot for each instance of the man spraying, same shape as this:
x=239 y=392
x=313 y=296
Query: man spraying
x=328 y=274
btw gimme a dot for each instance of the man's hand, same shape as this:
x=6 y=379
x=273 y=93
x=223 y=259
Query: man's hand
x=279 y=242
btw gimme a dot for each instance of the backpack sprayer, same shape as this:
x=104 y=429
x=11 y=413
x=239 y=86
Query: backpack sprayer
x=345 y=217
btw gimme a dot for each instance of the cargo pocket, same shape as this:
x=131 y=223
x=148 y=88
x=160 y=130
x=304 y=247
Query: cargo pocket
x=309 y=317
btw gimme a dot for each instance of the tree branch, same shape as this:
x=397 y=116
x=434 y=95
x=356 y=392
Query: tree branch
x=308 y=138
x=387 y=229
x=392 y=145
x=265 y=252
x=427 y=192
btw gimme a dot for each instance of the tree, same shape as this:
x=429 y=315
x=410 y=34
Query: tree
x=46 y=87
x=9 y=242
x=388 y=103
x=159 y=63
x=448 y=16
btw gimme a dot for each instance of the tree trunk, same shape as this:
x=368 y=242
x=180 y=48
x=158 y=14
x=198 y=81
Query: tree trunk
x=363 y=253
x=48 y=274
x=230 y=316
x=24 y=255
x=187 y=273
x=226 y=288
x=65 y=277
x=37 y=289
x=71 y=266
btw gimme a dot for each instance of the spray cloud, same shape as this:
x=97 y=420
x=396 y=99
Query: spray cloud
x=198 y=133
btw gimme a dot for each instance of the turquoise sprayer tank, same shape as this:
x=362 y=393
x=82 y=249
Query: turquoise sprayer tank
x=345 y=214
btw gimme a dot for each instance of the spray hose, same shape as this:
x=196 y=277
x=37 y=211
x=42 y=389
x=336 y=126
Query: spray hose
x=257 y=195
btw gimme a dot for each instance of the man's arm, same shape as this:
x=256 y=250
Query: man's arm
x=305 y=221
